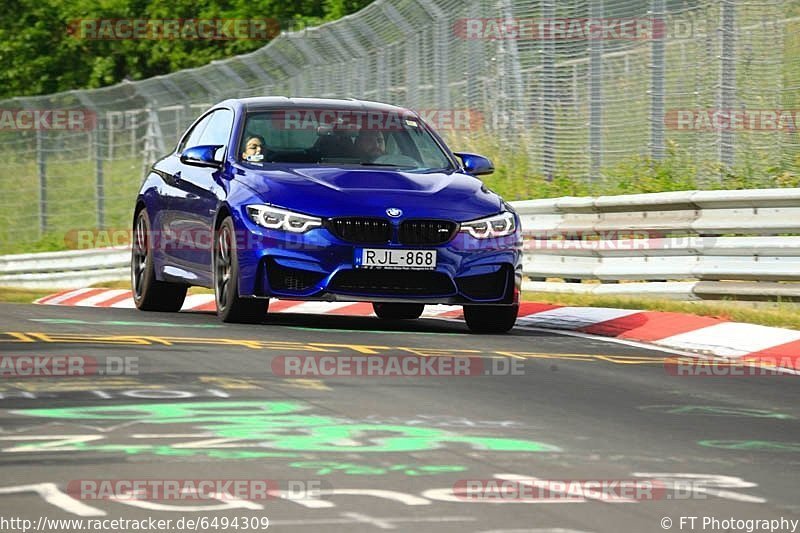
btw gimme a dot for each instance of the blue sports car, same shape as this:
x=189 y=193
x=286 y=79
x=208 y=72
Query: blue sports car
x=324 y=199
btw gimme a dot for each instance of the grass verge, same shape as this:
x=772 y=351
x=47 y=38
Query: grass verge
x=22 y=296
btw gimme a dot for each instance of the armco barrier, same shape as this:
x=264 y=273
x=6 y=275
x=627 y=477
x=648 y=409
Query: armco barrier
x=64 y=270
x=685 y=245
x=689 y=244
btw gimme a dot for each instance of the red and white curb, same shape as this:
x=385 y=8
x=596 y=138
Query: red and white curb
x=677 y=331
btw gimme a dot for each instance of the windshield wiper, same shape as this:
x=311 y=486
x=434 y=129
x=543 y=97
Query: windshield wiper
x=432 y=170
x=369 y=164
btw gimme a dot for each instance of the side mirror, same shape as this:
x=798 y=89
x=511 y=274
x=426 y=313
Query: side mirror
x=475 y=165
x=201 y=156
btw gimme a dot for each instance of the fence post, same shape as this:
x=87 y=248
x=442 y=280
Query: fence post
x=153 y=140
x=728 y=79
x=411 y=50
x=134 y=125
x=41 y=164
x=657 y=80
x=509 y=106
x=441 y=62
x=548 y=95
x=99 y=178
x=381 y=75
x=595 y=95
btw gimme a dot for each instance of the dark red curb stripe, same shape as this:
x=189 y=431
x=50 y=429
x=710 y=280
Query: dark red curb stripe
x=650 y=325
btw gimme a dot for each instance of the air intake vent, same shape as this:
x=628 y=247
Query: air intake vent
x=427 y=232
x=392 y=282
x=286 y=279
x=485 y=286
x=361 y=230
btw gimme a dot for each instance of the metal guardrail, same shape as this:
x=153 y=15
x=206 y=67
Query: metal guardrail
x=685 y=245
x=708 y=244
x=64 y=270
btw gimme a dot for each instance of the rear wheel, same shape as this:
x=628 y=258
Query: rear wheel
x=149 y=294
x=490 y=318
x=398 y=311
x=230 y=306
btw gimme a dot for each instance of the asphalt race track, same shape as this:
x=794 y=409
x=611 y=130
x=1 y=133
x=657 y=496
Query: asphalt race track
x=199 y=400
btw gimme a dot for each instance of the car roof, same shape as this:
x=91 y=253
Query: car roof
x=283 y=102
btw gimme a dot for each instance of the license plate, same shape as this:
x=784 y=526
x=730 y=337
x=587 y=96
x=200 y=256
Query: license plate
x=396 y=259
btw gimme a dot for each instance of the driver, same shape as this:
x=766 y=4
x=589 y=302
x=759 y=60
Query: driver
x=253 y=148
x=370 y=145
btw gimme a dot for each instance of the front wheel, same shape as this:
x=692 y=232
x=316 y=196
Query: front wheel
x=398 y=311
x=490 y=318
x=230 y=306
x=149 y=294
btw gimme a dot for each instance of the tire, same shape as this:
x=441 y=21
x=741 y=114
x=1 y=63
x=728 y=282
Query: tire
x=490 y=318
x=149 y=294
x=230 y=306
x=390 y=311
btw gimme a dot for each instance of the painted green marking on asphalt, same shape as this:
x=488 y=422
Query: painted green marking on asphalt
x=277 y=426
x=393 y=332
x=752 y=445
x=711 y=410
x=122 y=323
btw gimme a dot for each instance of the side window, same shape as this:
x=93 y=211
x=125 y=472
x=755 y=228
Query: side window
x=194 y=137
x=219 y=128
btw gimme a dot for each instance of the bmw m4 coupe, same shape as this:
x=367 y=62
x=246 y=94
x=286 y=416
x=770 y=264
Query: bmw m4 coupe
x=324 y=199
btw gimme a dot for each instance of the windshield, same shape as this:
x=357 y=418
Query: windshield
x=340 y=137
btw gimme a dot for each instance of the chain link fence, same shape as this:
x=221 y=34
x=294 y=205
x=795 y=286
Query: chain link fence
x=537 y=86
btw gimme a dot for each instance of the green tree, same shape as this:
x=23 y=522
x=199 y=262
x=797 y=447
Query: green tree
x=38 y=55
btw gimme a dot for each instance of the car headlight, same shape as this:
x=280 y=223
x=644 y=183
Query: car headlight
x=494 y=226
x=276 y=218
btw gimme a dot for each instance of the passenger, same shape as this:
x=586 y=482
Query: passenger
x=253 y=148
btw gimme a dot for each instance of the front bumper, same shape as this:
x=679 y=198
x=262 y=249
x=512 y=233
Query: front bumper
x=317 y=265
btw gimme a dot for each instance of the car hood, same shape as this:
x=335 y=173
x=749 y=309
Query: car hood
x=326 y=192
